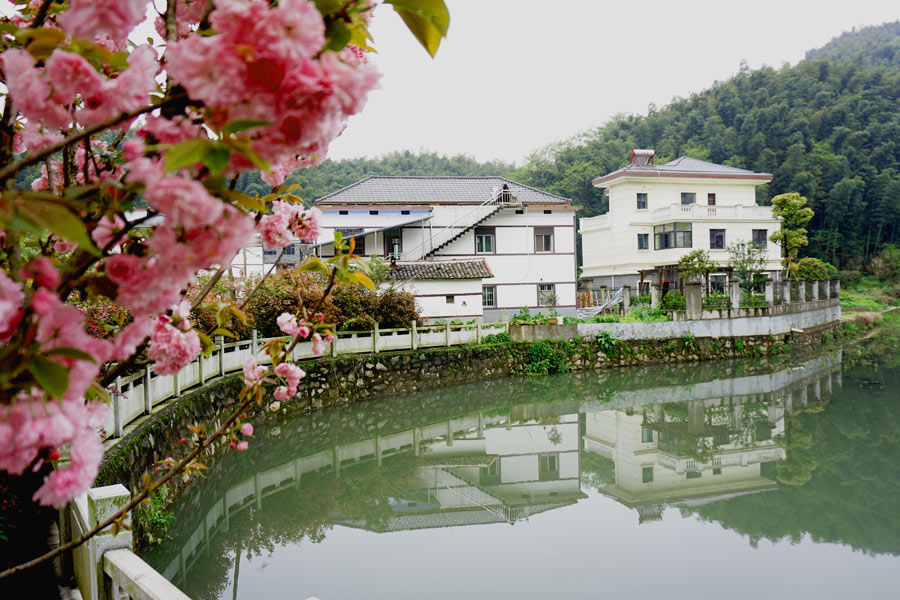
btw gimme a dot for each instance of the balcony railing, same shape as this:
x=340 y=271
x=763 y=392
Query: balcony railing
x=701 y=211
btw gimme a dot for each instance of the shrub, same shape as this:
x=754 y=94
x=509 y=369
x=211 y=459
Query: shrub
x=358 y=307
x=753 y=300
x=886 y=265
x=607 y=343
x=396 y=309
x=810 y=269
x=204 y=318
x=542 y=359
x=689 y=340
x=155 y=519
x=496 y=338
x=282 y=293
x=739 y=345
x=642 y=299
x=850 y=278
x=644 y=313
x=673 y=300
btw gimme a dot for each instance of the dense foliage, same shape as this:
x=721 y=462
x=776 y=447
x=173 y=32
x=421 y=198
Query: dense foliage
x=827 y=128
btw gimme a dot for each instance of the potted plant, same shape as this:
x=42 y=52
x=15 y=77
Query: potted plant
x=550 y=301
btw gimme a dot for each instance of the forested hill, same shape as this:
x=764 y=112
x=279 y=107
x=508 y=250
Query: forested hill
x=331 y=175
x=828 y=128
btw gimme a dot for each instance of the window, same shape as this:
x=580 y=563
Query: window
x=519 y=211
x=673 y=235
x=717 y=470
x=647 y=474
x=548 y=212
x=711 y=199
x=392 y=243
x=450 y=299
x=548 y=466
x=373 y=212
x=484 y=240
x=543 y=239
x=357 y=234
x=546 y=294
x=688 y=198
x=290 y=250
x=343 y=212
x=643 y=241
x=692 y=475
x=641 y=201
x=760 y=236
x=490 y=475
x=646 y=435
x=404 y=212
x=489 y=295
x=717 y=283
x=716 y=239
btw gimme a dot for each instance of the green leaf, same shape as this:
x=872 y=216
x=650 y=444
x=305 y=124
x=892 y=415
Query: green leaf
x=58 y=220
x=338 y=35
x=315 y=265
x=217 y=159
x=239 y=125
x=73 y=353
x=329 y=7
x=186 y=154
x=245 y=201
x=206 y=343
x=50 y=375
x=19 y=221
x=238 y=313
x=359 y=278
x=428 y=20
x=224 y=332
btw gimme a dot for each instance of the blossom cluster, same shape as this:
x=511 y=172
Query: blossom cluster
x=253 y=61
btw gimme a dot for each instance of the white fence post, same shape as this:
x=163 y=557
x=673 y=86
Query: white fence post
x=447 y=334
x=148 y=401
x=477 y=333
x=117 y=408
x=220 y=342
x=254 y=340
x=176 y=385
x=200 y=360
x=100 y=504
x=334 y=344
x=412 y=336
x=375 y=337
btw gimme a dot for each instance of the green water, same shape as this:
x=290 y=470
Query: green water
x=743 y=479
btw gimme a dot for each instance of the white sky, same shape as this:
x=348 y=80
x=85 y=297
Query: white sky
x=514 y=75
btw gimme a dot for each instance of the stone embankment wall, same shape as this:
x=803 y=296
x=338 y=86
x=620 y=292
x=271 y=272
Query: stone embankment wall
x=348 y=379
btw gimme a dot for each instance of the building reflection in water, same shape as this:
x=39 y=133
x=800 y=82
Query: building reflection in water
x=646 y=448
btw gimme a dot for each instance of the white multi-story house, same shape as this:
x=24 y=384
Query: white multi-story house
x=518 y=242
x=659 y=213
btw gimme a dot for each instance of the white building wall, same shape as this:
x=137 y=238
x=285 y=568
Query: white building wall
x=610 y=245
x=432 y=298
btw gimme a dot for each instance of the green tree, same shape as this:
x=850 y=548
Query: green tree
x=810 y=269
x=697 y=264
x=794 y=214
x=748 y=261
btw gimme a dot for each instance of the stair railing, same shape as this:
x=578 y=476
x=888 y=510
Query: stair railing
x=435 y=241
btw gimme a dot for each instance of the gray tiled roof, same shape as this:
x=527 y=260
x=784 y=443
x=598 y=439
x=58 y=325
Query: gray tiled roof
x=436 y=190
x=445 y=269
x=685 y=166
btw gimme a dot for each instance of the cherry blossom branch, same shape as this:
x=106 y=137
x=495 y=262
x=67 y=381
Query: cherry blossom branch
x=135 y=500
x=41 y=14
x=261 y=281
x=11 y=169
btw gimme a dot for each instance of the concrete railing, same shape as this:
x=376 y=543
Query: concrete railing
x=137 y=395
x=105 y=566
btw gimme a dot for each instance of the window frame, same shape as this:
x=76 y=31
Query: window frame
x=641 y=198
x=672 y=237
x=690 y=196
x=493 y=291
x=713 y=235
x=711 y=199
x=541 y=294
x=644 y=472
x=645 y=238
x=357 y=232
x=548 y=474
x=489 y=233
x=543 y=232
x=450 y=299
x=753 y=236
x=646 y=432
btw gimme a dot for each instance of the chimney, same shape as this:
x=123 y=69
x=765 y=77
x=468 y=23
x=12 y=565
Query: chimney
x=642 y=158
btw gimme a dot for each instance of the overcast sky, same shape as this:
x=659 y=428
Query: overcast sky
x=514 y=75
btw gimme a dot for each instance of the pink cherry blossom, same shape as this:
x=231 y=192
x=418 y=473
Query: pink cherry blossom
x=31 y=93
x=92 y=18
x=106 y=230
x=171 y=348
x=288 y=323
x=42 y=271
x=131 y=336
x=291 y=373
x=246 y=429
x=282 y=393
x=42 y=302
x=12 y=297
x=318 y=344
x=252 y=372
x=241 y=446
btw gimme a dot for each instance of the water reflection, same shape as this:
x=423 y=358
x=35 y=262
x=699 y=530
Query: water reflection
x=684 y=436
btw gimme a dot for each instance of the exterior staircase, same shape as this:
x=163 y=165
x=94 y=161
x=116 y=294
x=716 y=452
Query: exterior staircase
x=449 y=234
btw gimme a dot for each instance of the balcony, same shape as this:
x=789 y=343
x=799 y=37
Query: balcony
x=698 y=212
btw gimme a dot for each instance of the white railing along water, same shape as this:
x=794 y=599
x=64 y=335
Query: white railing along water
x=137 y=394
